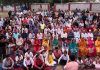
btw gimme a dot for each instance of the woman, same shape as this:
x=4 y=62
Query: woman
x=45 y=44
x=73 y=47
x=82 y=47
x=91 y=48
x=36 y=47
x=50 y=59
x=97 y=44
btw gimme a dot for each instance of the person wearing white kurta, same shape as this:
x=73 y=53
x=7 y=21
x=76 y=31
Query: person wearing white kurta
x=60 y=30
x=29 y=54
x=77 y=36
x=28 y=61
x=90 y=34
x=40 y=36
x=84 y=35
x=64 y=35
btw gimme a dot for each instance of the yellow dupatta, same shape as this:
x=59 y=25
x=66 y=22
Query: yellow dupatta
x=50 y=59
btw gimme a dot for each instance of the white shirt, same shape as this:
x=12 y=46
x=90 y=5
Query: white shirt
x=39 y=35
x=64 y=35
x=18 y=58
x=84 y=35
x=77 y=35
x=28 y=54
x=97 y=65
x=90 y=35
x=64 y=57
x=28 y=62
x=59 y=31
x=45 y=31
x=1 y=23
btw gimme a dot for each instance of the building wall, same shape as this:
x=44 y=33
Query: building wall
x=96 y=7
x=82 y=6
x=46 y=6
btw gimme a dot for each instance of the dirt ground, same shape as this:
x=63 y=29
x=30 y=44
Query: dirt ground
x=3 y=14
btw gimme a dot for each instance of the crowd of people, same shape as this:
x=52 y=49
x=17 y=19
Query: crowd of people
x=44 y=38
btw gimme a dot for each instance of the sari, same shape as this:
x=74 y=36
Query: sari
x=73 y=48
x=97 y=44
x=36 y=47
x=91 y=48
x=45 y=44
x=82 y=47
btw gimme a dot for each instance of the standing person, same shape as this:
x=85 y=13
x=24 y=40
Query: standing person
x=72 y=65
x=8 y=63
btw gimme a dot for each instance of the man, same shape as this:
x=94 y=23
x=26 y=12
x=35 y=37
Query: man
x=72 y=65
x=38 y=62
x=8 y=63
x=28 y=63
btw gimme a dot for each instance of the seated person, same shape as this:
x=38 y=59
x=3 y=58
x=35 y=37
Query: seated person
x=49 y=60
x=80 y=62
x=29 y=53
x=8 y=63
x=97 y=63
x=89 y=63
x=19 y=60
x=64 y=58
x=28 y=63
x=38 y=62
x=57 y=53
